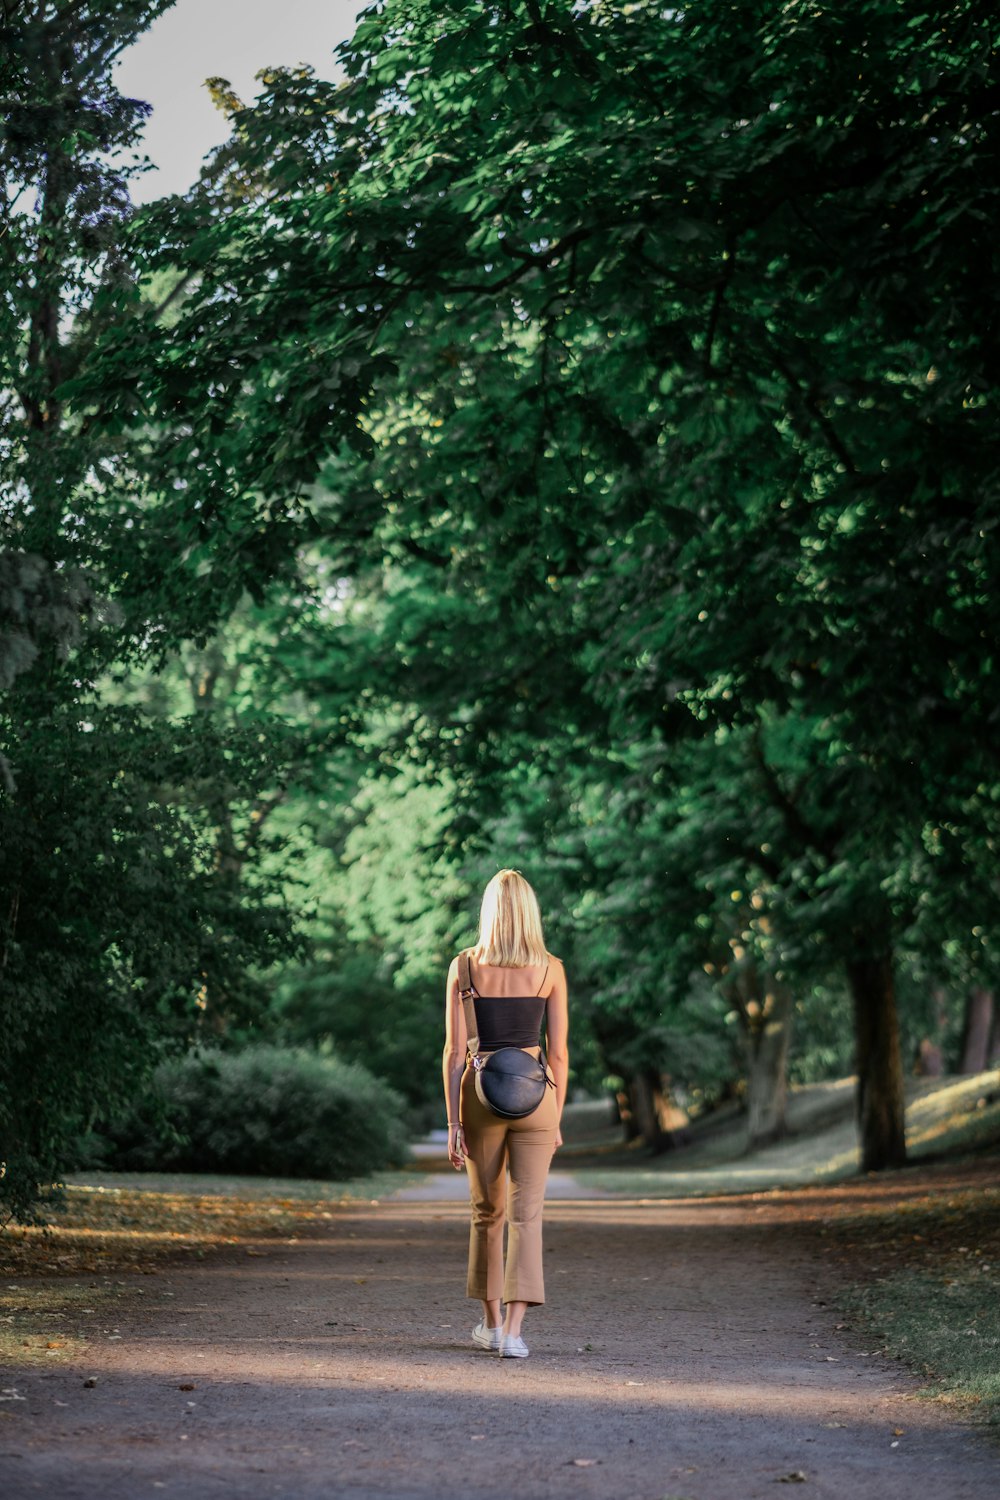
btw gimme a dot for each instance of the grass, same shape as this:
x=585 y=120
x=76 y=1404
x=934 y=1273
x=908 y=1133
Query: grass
x=944 y=1117
x=59 y=1284
x=112 y=1223
x=953 y=1115
x=248 y=1189
x=944 y=1325
x=930 y=1295
x=41 y=1326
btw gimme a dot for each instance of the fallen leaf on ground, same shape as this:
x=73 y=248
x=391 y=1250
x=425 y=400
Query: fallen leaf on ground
x=583 y=1463
x=795 y=1477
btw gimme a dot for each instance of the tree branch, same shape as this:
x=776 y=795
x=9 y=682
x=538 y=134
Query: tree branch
x=799 y=827
x=728 y=270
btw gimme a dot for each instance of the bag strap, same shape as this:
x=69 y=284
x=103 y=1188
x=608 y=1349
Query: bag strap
x=467 y=993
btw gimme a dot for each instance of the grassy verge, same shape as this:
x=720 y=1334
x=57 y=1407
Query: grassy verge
x=955 y=1115
x=945 y=1118
x=40 y=1326
x=59 y=1285
x=931 y=1294
x=945 y=1328
x=112 y=1224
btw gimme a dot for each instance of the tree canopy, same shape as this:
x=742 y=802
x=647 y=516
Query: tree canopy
x=597 y=403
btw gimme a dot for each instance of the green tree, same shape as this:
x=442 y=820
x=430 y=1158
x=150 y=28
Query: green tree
x=116 y=914
x=664 y=332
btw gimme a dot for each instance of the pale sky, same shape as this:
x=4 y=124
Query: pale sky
x=234 y=39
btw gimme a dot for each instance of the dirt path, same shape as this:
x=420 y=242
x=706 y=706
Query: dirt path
x=686 y=1351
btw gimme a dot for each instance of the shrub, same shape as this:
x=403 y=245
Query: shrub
x=272 y=1111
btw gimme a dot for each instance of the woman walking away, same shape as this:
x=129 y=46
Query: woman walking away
x=504 y=987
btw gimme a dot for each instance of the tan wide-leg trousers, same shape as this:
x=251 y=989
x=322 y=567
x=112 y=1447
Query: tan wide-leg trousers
x=526 y=1147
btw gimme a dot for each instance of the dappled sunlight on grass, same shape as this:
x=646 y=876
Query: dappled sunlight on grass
x=250 y=1189
x=960 y=1114
x=48 y=1324
x=947 y=1115
x=711 y=1181
x=102 y=1225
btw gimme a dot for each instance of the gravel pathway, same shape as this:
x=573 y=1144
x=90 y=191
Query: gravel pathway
x=687 y=1350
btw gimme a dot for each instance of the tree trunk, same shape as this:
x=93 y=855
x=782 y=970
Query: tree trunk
x=646 y=1095
x=993 y=1058
x=767 y=1046
x=626 y=1117
x=881 y=1102
x=977 y=1030
x=929 y=1063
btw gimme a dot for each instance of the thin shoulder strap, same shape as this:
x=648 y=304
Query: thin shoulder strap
x=467 y=993
x=544 y=977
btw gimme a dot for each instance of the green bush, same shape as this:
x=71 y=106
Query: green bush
x=273 y=1111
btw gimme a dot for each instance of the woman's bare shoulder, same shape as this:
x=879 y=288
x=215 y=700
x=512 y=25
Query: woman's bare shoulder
x=556 y=972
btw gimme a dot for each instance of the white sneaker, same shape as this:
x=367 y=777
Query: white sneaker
x=487 y=1338
x=512 y=1346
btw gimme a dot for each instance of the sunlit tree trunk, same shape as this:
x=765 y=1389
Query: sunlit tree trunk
x=977 y=1031
x=649 y=1108
x=764 y=1007
x=768 y=1039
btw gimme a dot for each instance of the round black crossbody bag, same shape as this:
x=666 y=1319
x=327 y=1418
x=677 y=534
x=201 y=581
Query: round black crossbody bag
x=510 y=1081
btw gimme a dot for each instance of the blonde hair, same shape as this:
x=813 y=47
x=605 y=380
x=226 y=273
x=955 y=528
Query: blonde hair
x=510 y=924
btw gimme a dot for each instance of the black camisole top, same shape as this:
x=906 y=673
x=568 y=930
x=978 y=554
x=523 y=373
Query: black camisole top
x=508 y=1020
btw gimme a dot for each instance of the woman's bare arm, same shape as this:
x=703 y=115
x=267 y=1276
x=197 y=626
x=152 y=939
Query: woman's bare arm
x=453 y=1062
x=557 y=1036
